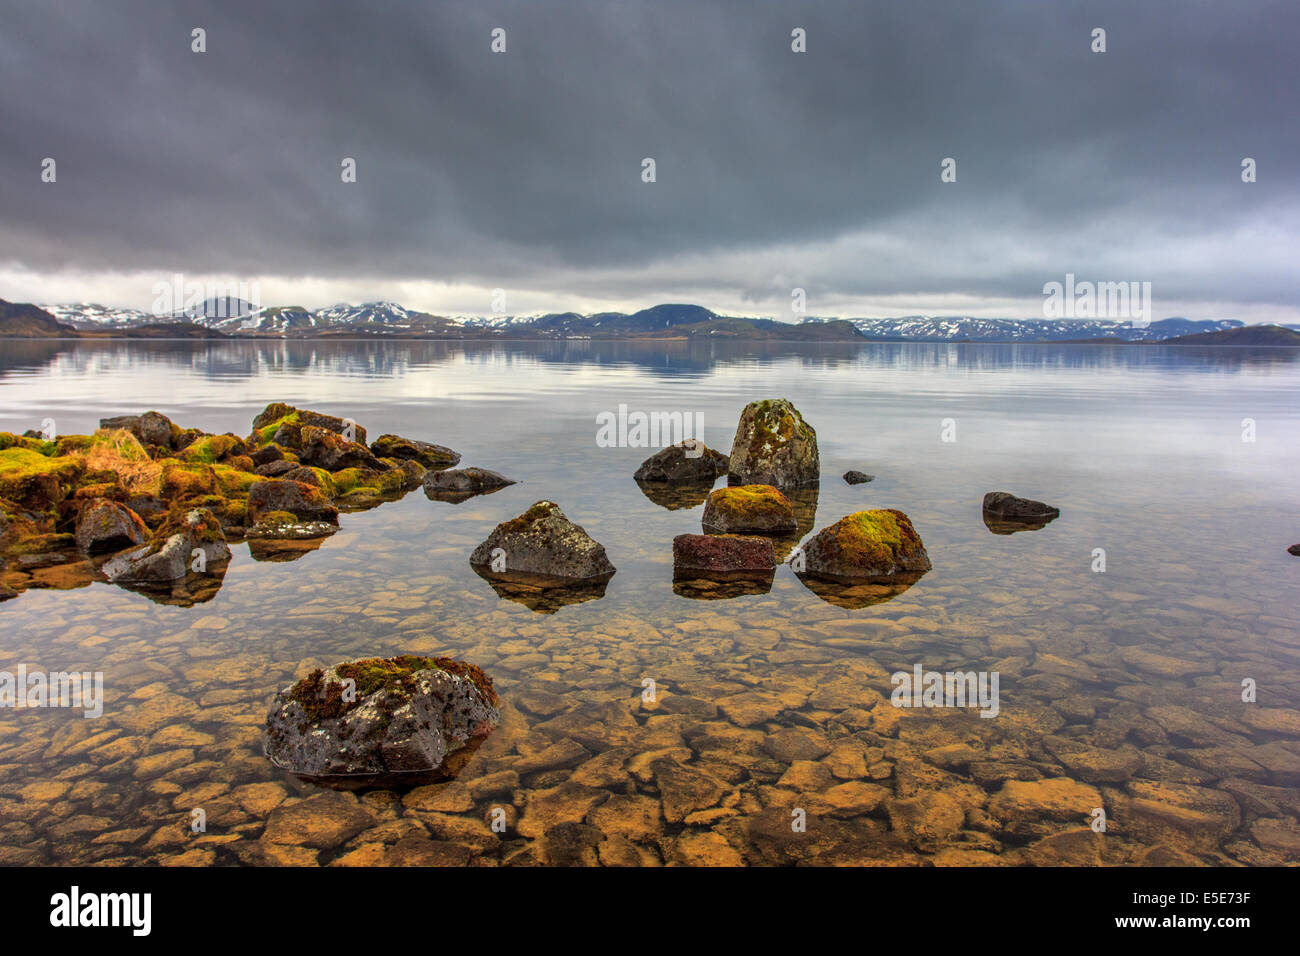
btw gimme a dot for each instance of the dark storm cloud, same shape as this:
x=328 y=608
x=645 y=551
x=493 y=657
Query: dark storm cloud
x=499 y=169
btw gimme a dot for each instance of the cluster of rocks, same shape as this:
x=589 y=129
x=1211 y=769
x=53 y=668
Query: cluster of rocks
x=152 y=506
x=774 y=454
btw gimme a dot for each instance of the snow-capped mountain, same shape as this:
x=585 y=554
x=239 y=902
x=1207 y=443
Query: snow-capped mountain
x=953 y=328
x=234 y=316
x=291 y=318
x=88 y=315
x=368 y=313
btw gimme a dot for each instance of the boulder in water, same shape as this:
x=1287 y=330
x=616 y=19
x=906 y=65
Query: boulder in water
x=542 y=541
x=774 y=446
x=749 y=509
x=371 y=720
x=873 y=545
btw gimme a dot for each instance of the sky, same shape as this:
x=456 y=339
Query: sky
x=774 y=170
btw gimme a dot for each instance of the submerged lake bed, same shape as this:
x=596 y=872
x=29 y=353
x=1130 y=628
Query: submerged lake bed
x=1126 y=635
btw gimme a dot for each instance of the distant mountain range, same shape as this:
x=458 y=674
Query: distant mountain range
x=235 y=317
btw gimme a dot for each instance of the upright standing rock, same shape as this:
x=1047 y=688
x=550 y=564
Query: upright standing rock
x=774 y=446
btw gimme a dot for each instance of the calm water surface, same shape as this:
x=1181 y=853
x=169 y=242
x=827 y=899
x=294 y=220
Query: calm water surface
x=1120 y=690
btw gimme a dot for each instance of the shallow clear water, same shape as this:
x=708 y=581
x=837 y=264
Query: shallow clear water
x=1120 y=690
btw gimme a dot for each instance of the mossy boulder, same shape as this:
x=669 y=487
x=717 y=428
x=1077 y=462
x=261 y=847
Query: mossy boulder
x=188 y=540
x=400 y=717
x=408 y=449
x=211 y=449
x=287 y=422
x=301 y=500
x=34 y=480
x=875 y=544
x=16 y=523
x=186 y=480
x=689 y=462
x=749 y=509
x=104 y=526
x=774 y=446
x=542 y=541
x=326 y=449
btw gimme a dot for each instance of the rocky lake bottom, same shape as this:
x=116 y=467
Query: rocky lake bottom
x=1120 y=690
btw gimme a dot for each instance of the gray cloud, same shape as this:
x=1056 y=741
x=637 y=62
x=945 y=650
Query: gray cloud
x=773 y=167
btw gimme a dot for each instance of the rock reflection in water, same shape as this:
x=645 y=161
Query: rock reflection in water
x=720 y=585
x=675 y=497
x=543 y=593
x=852 y=594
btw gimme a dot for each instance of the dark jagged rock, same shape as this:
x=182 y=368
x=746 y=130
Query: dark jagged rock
x=105 y=526
x=279 y=468
x=295 y=497
x=774 y=446
x=696 y=554
x=858 y=477
x=266 y=455
x=171 y=552
x=463 y=483
x=1004 y=513
x=1007 y=506
x=378 y=719
x=876 y=544
x=325 y=449
x=749 y=509
x=151 y=428
x=687 y=462
x=408 y=449
x=543 y=541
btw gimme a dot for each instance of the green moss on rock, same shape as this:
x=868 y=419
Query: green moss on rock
x=322 y=698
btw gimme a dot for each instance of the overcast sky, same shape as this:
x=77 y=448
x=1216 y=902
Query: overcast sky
x=522 y=170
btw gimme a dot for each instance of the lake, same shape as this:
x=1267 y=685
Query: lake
x=1121 y=736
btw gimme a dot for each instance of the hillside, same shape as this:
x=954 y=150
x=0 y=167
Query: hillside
x=1249 y=335
x=24 y=320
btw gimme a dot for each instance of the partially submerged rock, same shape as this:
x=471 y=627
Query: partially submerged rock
x=408 y=449
x=715 y=567
x=462 y=483
x=687 y=462
x=542 y=541
x=382 y=720
x=1294 y=549
x=295 y=497
x=867 y=545
x=1004 y=513
x=183 y=541
x=105 y=526
x=774 y=446
x=749 y=509
x=857 y=477
x=703 y=554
